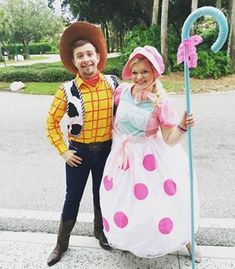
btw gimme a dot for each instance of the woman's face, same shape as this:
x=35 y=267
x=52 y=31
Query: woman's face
x=142 y=74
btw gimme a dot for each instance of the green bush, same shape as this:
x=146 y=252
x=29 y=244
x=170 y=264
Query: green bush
x=37 y=48
x=212 y=65
x=49 y=72
x=114 y=66
x=140 y=36
x=36 y=72
x=34 y=48
x=19 y=75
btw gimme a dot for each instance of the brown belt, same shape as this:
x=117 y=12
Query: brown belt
x=90 y=146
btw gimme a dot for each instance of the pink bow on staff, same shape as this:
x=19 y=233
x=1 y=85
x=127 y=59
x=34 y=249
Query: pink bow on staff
x=191 y=52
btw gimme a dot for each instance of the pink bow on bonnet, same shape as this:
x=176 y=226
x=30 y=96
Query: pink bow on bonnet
x=148 y=52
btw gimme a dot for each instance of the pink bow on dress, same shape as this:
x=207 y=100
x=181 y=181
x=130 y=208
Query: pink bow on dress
x=143 y=95
x=191 y=52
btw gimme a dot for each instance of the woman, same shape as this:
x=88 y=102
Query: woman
x=145 y=197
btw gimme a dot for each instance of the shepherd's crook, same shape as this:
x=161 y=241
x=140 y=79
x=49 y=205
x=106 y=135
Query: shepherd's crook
x=223 y=32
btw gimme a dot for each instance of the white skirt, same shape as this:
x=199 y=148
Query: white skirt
x=145 y=196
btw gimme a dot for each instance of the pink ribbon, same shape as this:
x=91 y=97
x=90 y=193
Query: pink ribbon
x=120 y=157
x=189 y=46
x=143 y=95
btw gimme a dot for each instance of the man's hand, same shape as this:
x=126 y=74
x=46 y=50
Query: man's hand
x=71 y=159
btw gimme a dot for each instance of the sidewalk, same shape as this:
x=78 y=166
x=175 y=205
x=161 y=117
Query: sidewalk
x=21 y=250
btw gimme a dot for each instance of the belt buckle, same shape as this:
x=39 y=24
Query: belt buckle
x=94 y=146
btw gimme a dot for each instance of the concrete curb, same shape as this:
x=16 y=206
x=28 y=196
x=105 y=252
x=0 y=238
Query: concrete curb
x=212 y=232
x=91 y=242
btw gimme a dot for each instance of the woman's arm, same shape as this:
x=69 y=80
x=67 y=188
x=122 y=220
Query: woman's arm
x=173 y=135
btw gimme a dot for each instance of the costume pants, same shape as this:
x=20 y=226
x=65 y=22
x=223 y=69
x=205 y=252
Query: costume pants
x=76 y=177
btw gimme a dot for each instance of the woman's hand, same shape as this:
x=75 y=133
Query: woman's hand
x=71 y=159
x=187 y=120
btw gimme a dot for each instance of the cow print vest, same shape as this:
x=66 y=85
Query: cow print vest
x=75 y=107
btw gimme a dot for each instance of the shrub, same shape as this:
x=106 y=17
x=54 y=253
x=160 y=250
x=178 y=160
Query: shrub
x=114 y=66
x=49 y=72
x=36 y=72
x=212 y=65
x=37 y=48
x=34 y=48
x=140 y=36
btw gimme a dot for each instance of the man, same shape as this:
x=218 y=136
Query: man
x=87 y=100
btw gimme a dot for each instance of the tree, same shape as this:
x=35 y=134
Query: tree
x=51 y=4
x=194 y=5
x=5 y=27
x=147 y=9
x=164 y=21
x=120 y=16
x=218 y=4
x=155 y=11
x=231 y=42
x=31 y=20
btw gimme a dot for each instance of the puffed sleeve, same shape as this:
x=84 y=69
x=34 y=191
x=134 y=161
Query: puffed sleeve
x=167 y=114
x=118 y=91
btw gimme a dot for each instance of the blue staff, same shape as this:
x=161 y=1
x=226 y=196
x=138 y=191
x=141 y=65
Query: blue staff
x=223 y=32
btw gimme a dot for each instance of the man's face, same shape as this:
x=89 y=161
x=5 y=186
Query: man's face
x=86 y=59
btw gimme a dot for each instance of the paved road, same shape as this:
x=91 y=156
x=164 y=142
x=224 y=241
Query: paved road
x=32 y=173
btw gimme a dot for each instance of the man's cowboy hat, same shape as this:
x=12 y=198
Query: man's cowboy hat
x=82 y=30
x=148 y=52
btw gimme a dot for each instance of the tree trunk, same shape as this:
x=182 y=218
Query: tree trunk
x=155 y=12
x=231 y=42
x=107 y=36
x=194 y=5
x=218 y=4
x=164 y=20
x=146 y=6
x=26 y=49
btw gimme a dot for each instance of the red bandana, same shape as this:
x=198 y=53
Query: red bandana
x=92 y=81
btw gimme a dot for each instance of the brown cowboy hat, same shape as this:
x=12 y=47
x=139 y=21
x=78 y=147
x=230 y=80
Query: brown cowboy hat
x=82 y=30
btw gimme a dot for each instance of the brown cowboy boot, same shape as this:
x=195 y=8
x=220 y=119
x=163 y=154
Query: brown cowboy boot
x=98 y=230
x=62 y=241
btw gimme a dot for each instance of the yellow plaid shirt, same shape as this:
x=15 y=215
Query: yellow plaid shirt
x=98 y=115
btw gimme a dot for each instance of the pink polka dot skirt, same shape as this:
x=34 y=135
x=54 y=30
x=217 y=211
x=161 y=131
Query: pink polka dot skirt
x=144 y=197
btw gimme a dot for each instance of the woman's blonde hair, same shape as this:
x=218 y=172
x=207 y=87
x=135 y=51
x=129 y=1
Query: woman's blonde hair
x=158 y=88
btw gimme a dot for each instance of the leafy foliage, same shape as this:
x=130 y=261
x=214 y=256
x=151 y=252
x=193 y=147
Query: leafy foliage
x=140 y=36
x=122 y=14
x=30 y=20
x=36 y=72
x=34 y=48
x=212 y=65
x=49 y=72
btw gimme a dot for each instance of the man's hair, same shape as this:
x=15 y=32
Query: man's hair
x=82 y=42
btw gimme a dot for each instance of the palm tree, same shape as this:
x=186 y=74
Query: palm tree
x=164 y=20
x=155 y=12
x=194 y=5
x=231 y=42
x=218 y=4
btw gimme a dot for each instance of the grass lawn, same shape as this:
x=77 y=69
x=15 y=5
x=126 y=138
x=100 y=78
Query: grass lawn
x=48 y=88
x=44 y=88
x=173 y=83
x=4 y=85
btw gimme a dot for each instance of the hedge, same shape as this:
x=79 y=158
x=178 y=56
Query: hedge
x=48 y=72
x=34 y=48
